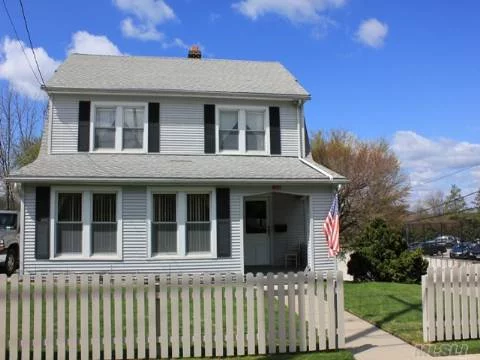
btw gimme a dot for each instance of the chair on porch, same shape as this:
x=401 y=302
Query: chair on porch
x=292 y=256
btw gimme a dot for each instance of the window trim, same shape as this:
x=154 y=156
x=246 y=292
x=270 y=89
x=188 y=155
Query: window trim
x=87 y=211
x=181 y=222
x=242 y=136
x=119 y=107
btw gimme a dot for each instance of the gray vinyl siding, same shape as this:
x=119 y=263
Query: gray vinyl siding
x=64 y=129
x=181 y=127
x=181 y=122
x=134 y=242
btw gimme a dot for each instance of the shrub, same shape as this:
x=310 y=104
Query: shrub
x=380 y=254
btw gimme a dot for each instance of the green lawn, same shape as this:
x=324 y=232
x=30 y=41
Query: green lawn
x=395 y=308
x=337 y=355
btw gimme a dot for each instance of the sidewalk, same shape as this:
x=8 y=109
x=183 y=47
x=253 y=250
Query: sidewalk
x=368 y=342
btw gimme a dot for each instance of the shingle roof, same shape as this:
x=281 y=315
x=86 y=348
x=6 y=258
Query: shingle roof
x=176 y=168
x=157 y=74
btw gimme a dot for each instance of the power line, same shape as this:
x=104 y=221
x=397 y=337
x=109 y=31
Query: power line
x=30 y=40
x=434 y=179
x=20 y=42
x=447 y=213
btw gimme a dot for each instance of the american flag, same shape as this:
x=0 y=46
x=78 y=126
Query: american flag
x=332 y=228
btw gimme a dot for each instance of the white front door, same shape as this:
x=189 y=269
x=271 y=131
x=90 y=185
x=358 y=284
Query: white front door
x=257 y=242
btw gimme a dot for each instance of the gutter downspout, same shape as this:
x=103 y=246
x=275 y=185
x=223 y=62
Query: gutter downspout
x=300 y=145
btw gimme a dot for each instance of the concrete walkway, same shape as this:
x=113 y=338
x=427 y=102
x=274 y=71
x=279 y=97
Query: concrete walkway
x=368 y=342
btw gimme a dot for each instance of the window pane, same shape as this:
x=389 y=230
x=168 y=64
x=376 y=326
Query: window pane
x=198 y=207
x=228 y=120
x=69 y=207
x=132 y=138
x=198 y=237
x=104 y=208
x=133 y=118
x=256 y=217
x=104 y=223
x=69 y=238
x=104 y=238
x=255 y=140
x=104 y=138
x=255 y=120
x=165 y=207
x=105 y=117
x=164 y=238
x=228 y=140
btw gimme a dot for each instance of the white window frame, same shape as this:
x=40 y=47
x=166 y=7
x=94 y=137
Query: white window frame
x=181 y=222
x=87 y=211
x=242 y=136
x=119 y=106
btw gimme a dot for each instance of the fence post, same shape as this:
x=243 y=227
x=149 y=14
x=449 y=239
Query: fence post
x=3 y=315
x=340 y=312
x=431 y=304
x=448 y=303
x=439 y=304
x=26 y=315
x=473 y=302
x=425 y=307
x=457 y=331
x=331 y=311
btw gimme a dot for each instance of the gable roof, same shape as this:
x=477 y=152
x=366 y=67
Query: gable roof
x=175 y=75
x=157 y=168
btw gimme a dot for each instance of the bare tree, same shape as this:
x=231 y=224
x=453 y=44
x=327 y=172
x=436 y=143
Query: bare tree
x=19 y=120
x=376 y=189
x=434 y=203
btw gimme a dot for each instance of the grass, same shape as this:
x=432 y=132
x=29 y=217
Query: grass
x=395 y=308
x=336 y=355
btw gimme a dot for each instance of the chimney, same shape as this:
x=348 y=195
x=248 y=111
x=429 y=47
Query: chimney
x=194 y=52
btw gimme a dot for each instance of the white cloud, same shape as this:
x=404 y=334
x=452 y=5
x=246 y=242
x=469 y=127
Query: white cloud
x=372 y=33
x=15 y=69
x=176 y=43
x=148 y=14
x=85 y=43
x=298 y=11
x=140 y=31
x=437 y=163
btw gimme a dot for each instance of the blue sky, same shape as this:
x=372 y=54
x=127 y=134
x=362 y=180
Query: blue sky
x=407 y=71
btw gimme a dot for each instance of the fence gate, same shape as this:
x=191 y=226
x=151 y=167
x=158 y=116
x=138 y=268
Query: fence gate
x=149 y=316
x=451 y=303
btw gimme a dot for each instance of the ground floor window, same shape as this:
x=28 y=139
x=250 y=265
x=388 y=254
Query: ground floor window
x=86 y=223
x=181 y=223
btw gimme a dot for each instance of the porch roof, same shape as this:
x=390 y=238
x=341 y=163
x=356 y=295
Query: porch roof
x=153 y=168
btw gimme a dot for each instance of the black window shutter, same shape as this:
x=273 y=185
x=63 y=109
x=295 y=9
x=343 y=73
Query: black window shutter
x=42 y=222
x=224 y=242
x=153 y=127
x=275 y=141
x=84 y=126
x=209 y=128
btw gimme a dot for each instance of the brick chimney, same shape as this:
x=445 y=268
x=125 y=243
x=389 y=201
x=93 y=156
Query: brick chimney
x=194 y=52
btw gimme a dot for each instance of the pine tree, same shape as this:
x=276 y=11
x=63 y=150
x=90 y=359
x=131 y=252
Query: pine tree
x=476 y=201
x=454 y=202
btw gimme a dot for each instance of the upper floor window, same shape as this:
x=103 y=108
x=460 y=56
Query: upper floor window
x=242 y=130
x=121 y=127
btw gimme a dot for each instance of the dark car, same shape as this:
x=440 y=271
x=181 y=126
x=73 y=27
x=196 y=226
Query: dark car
x=431 y=247
x=446 y=240
x=460 y=251
x=475 y=251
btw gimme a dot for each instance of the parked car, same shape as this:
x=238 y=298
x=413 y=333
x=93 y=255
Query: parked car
x=446 y=240
x=460 y=250
x=431 y=247
x=475 y=250
x=9 y=249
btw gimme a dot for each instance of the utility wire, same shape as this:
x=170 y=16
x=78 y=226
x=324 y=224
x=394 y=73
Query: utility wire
x=441 y=215
x=449 y=201
x=434 y=179
x=30 y=41
x=20 y=42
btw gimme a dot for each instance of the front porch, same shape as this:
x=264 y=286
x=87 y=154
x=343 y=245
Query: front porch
x=276 y=232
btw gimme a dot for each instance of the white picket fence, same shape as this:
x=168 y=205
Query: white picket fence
x=169 y=316
x=451 y=303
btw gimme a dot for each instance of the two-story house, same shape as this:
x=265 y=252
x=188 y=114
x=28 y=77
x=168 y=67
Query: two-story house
x=152 y=164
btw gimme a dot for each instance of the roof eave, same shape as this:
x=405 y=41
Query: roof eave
x=175 y=93
x=140 y=180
